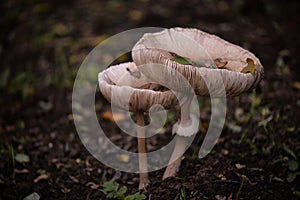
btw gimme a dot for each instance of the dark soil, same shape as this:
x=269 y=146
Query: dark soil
x=47 y=41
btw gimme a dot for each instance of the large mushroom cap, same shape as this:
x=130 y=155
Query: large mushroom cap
x=125 y=87
x=239 y=70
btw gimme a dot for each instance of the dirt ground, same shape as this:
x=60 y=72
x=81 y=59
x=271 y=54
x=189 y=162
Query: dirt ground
x=42 y=46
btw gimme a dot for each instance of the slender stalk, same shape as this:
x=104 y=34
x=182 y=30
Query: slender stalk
x=142 y=151
x=173 y=166
x=181 y=142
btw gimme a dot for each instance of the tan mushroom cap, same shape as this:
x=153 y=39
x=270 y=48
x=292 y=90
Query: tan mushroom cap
x=200 y=47
x=133 y=93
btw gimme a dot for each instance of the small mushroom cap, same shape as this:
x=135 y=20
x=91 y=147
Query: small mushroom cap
x=127 y=88
x=220 y=61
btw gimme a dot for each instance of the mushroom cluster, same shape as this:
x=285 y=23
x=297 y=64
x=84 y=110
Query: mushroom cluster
x=210 y=65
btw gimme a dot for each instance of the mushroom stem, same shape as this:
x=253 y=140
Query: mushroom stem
x=142 y=151
x=179 y=148
x=181 y=142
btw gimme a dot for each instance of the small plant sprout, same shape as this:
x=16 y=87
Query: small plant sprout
x=293 y=165
x=113 y=191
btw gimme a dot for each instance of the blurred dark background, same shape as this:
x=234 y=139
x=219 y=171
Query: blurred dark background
x=47 y=40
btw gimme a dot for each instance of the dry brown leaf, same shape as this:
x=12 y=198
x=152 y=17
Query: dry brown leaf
x=225 y=152
x=250 y=68
x=220 y=140
x=123 y=157
x=239 y=166
x=296 y=85
x=222 y=177
x=41 y=177
x=92 y=185
x=220 y=63
x=116 y=117
x=75 y=180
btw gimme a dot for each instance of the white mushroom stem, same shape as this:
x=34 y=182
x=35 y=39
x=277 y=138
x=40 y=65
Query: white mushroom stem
x=143 y=164
x=181 y=141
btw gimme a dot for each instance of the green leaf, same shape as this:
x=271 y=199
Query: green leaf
x=122 y=190
x=293 y=165
x=22 y=158
x=182 y=60
x=112 y=195
x=130 y=197
x=290 y=152
x=291 y=177
x=110 y=186
x=136 y=196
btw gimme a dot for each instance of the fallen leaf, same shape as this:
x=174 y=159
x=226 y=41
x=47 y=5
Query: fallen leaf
x=22 y=158
x=116 y=117
x=182 y=60
x=278 y=179
x=33 y=196
x=250 y=68
x=123 y=158
x=75 y=180
x=225 y=152
x=220 y=140
x=296 y=85
x=239 y=166
x=65 y=190
x=92 y=185
x=41 y=177
x=222 y=177
x=56 y=162
x=220 y=63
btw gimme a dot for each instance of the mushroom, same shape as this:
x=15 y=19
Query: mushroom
x=127 y=88
x=212 y=66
